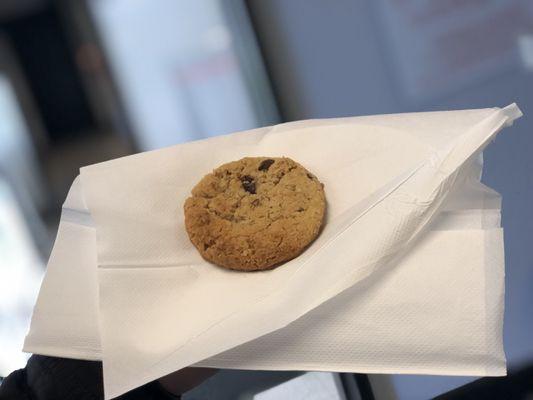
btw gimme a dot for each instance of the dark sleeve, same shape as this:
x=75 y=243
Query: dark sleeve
x=53 y=378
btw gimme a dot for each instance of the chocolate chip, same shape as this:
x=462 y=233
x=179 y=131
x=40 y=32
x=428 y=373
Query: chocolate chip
x=248 y=184
x=265 y=164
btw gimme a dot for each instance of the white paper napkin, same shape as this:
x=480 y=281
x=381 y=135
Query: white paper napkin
x=430 y=303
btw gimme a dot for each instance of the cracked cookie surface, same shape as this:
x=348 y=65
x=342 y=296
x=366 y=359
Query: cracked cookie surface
x=255 y=213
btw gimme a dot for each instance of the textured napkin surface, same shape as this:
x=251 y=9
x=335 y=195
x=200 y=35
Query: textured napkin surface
x=396 y=237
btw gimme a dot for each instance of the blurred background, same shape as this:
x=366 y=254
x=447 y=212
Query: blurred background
x=83 y=81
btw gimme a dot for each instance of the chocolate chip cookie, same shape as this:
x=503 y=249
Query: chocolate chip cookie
x=255 y=213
